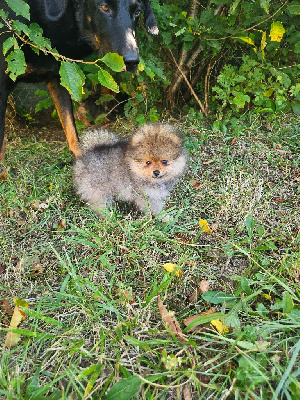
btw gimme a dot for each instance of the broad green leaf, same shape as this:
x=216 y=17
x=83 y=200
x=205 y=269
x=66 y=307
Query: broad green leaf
x=125 y=389
x=31 y=389
x=296 y=107
x=233 y=6
x=215 y=297
x=20 y=27
x=16 y=64
x=294 y=8
x=287 y=303
x=114 y=61
x=241 y=99
x=265 y=5
x=35 y=34
x=277 y=31
x=20 y=7
x=250 y=224
x=72 y=78
x=204 y=320
x=9 y=43
x=107 y=80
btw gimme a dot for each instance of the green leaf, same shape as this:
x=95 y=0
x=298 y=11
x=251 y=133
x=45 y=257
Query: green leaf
x=215 y=297
x=72 y=78
x=204 y=320
x=20 y=7
x=294 y=8
x=125 y=389
x=287 y=303
x=41 y=317
x=296 y=107
x=250 y=223
x=35 y=34
x=241 y=99
x=107 y=80
x=9 y=43
x=265 y=5
x=114 y=61
x=16 y=64
x=31 y=389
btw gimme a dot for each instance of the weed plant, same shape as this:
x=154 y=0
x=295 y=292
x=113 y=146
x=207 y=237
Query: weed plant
x=93 y=329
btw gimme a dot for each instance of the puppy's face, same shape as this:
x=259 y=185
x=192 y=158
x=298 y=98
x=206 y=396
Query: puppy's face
x=156 y=153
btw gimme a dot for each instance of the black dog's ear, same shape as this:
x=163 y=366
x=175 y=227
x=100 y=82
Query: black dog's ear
x=149 y=18
x=54 y=9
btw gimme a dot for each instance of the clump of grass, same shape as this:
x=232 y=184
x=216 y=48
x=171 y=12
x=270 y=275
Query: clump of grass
x=93 y=328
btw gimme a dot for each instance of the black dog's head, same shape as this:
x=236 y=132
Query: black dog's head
x=109 y=26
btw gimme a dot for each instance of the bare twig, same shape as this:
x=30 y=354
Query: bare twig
x=204 y=112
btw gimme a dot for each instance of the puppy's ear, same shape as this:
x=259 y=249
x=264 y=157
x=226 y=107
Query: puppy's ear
x=136 y=139
x=149 y=18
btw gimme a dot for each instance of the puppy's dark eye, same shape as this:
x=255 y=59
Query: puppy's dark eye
x=104 y=8
x=164 y=162
x=148 y=162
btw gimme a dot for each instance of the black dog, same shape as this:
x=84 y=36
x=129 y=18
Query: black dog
x=75 y=28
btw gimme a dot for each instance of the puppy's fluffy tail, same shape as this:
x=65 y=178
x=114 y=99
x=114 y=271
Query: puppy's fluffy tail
x=96 y=137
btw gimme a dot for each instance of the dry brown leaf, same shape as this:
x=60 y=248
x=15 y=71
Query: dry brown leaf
x=204 y=286
x=125 y=296
x=170 y=320
x=197 y=184
x=282 y=151
x=6 y=307
x=195 y=131
x=279 y=199
x=62 y=225
x=37 y=269
x=186 y=393
x=232 y=141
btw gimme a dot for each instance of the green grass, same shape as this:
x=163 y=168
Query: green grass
x=93 y=329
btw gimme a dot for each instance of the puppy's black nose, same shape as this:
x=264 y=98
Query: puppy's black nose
x=156 y=173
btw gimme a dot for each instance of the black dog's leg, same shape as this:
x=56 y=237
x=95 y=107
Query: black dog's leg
x=63 y=104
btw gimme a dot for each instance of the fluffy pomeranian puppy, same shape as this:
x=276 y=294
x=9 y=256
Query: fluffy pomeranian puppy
x=141 y=170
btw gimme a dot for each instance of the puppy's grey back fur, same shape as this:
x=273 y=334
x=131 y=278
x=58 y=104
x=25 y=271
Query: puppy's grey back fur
x=95 y=137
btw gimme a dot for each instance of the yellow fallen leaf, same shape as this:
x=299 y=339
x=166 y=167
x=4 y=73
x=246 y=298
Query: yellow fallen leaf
x=277 y=31
x=267 y=296
x=220 y=326
x=172 y=267
x=18 y=316
x=204 y=226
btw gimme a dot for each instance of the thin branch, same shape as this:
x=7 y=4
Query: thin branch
x=190 y=87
